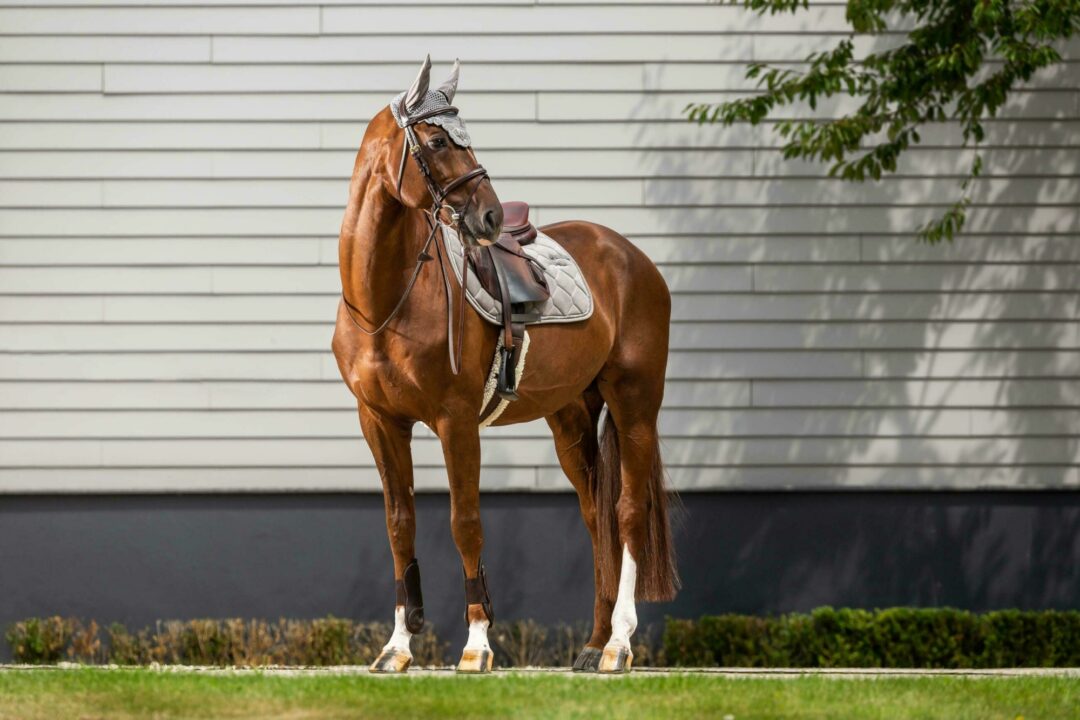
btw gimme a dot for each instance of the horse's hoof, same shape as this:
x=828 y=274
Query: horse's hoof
x=391 y=661
x=475 y=661
x=616 y=660
x=588 y=660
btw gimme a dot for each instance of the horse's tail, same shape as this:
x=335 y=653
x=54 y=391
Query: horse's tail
x=657 y=575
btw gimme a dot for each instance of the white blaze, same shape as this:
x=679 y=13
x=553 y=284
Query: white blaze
x=624 y=615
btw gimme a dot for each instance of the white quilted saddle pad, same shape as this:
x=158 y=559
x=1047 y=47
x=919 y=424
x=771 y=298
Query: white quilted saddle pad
x=570 y=301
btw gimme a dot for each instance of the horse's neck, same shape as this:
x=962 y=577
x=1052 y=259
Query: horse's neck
x=379 y=244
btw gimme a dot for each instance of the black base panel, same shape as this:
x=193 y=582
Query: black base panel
x=137 y=559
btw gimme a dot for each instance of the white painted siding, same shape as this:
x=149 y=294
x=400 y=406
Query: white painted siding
x=172 y=176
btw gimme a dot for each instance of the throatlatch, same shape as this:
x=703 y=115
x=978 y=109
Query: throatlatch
x=476 y=593
x=409 y=595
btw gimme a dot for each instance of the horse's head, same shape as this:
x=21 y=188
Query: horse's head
x=443 y=173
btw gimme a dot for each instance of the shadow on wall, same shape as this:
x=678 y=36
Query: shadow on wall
x=964 y=353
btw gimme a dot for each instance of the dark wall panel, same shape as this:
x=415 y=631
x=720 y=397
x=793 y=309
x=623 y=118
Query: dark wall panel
x=137 y=559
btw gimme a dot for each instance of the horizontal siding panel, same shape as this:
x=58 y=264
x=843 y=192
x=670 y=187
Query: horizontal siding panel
x=697 y=423
x=162 y=366
x=576 y=19
x=738 y=307
x=165 y=251
x=1060 y=104
x=263 y=479
x=277 y=395
x=315 y=337
x=544 y=479
x=332 y=395
x=286 y=221
x=276 y=280
x=309 y=452
x=388 y=78
x=317 y=366
x=915 y=393
x=732 y=76
x=483 y=48
x=50 y=78
x=503 y=164
x=926 y=278
x=101 y=136
x=964 y=364
x=815 y=306
x=159 y=21
x=790 y=220
x=599 y=192
x=973 y=249
x=274 y=106
x=922 y=191
x=96 y=49
x=488 y=135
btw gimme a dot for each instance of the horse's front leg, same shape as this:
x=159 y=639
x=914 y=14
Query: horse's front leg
x=389 y=441
x=461 y=449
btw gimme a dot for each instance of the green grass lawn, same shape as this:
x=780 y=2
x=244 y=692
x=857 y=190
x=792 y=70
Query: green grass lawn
x=91 y=693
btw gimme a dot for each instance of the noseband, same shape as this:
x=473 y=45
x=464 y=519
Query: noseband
x=412 y=146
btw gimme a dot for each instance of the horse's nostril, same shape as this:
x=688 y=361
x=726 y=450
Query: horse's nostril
x=492 y=222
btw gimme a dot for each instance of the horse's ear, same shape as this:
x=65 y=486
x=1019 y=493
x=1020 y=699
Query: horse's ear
x=419 y=88
x=449 y=88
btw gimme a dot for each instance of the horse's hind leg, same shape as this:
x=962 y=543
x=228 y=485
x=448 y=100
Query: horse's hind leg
x=633 y=387
x=574 y=429
x=389 y=442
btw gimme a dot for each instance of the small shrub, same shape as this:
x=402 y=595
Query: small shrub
x=519 y=643
x=85 y=643
x=39 y=641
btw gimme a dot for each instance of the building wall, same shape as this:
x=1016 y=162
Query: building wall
x=172 y=179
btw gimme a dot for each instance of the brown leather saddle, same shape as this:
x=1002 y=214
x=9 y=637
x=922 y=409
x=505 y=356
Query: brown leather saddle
x=517 y=282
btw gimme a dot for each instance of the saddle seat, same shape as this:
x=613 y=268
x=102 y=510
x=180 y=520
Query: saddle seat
x=516 y=223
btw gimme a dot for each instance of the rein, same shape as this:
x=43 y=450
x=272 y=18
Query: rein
x=412 y=146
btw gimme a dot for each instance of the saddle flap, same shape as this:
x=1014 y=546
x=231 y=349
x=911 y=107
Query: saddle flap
x=524 y=280
x=516 y=223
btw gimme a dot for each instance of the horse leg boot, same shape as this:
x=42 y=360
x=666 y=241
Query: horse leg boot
x=574 y=430
x=461 y=450
x=389 y=442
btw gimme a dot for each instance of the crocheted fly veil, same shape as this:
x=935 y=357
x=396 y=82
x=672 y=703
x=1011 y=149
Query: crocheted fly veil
x=419 y=99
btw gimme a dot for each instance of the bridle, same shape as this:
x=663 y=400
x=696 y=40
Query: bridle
x=439 y=193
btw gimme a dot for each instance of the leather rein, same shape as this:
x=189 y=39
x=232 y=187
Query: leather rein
x=412 y=146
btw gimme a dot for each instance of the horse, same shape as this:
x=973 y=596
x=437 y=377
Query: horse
x=395 y=321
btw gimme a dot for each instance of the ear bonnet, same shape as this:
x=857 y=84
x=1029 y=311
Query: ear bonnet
x=421 y=100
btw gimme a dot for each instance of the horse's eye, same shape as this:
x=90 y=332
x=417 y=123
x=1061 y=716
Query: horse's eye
x=437 y=142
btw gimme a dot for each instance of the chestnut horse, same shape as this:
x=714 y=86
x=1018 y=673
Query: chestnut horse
x=391 y=344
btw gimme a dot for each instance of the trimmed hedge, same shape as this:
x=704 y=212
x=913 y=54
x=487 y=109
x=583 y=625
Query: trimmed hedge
x=892 y=638
x=325 y=641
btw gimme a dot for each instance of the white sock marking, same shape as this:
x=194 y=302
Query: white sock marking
x=478 y=639
x=624 y=615
x=402 y=637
